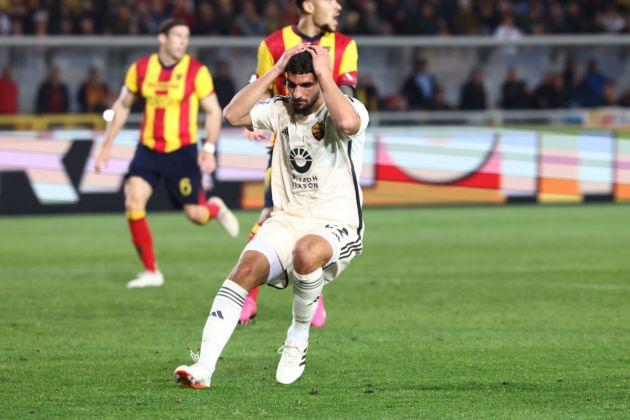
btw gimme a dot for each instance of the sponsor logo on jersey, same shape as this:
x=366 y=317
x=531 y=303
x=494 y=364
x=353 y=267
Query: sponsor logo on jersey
x=318 y=130
x=300 y=159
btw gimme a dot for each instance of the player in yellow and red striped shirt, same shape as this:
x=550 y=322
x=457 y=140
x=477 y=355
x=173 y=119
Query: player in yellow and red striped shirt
x=317 y=25
x=174 y=86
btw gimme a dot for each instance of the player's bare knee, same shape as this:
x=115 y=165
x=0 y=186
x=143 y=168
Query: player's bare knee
x=250 y=272
x=304 y=261
x=133 y=204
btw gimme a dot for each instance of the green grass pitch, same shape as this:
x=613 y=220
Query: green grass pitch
x=475 y=312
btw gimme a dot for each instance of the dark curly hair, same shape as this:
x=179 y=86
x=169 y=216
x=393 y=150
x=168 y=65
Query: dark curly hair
x=300 y=63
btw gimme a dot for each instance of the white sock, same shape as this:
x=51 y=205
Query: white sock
x=306 y=291
x=221 y=322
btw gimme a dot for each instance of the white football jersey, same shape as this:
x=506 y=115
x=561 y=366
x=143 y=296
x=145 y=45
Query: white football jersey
x=315 y=168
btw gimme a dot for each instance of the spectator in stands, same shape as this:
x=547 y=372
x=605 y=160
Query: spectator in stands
x=419 y=87
x=369 y=21
x=94 y=96
x=158 y=12
x=249 y=22
x=488 y=19
x=8 y=92
x=554 y=20
x=473 y=93
x=609 y=95
x=439 y=101
x=182 y=11
x=206 y=20
x=573 y=21
x=87 y=26
x=423 y=24
x=611 y=20
x=592 y=86
x=514 y=92
x=120 y=21
x=391 y=15
x=225 y=18
x=548 y=94
x=508 y=30
x=224 y=85
x=367 y=93
x=465 y=21
x=52 y=94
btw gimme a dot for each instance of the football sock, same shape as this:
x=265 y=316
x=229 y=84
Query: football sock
x=221 y=322
x=142 y=239
x=254 y=231
x=213 y=211
x=306 y=291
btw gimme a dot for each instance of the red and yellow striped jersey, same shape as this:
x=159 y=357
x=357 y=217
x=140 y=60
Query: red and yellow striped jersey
x=342 y=50
x=172 y=97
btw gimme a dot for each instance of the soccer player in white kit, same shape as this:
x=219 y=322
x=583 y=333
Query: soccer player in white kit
x=316 y=227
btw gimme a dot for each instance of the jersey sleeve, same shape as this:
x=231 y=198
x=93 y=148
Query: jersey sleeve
x=348 y=66
x=204 y=85
x=262 y=115
x=363 y=115
x=131 y=79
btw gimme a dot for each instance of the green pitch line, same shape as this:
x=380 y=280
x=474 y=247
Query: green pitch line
x=476 y=312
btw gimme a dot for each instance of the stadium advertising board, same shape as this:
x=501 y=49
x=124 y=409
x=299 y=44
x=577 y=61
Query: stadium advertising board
x=43 y=172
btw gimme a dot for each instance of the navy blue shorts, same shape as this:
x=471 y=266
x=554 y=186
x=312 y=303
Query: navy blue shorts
x=179 y=169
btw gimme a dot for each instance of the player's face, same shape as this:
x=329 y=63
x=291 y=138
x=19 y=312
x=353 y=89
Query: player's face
x=304 y=92
x=326 y=14
x=175 y=43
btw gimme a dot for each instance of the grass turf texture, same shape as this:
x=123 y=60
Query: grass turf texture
x=496 y=312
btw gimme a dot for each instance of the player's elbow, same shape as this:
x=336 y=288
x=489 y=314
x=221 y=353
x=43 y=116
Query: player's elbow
x=229 y=115
x=349 y=125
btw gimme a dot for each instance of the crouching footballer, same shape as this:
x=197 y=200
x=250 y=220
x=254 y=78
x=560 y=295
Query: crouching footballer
x=316 y=226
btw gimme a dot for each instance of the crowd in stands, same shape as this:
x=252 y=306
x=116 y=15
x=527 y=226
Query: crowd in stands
x=503 y=18
x=420 y=90
x=570 y=88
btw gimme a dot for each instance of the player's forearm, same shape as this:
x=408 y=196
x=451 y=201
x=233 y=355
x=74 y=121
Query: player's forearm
x=121 y=113
x=243 y=102
x=213 y=127
x=340 y=109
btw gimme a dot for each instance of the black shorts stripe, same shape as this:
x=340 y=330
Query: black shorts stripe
x=357 y=195
x=356 y=250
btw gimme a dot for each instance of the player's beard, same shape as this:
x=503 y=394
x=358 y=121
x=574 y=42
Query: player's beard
x=307 y=107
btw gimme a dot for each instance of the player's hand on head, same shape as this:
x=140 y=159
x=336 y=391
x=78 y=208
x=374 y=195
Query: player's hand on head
x=321 y=59
x=286 y=56
x=206 y=161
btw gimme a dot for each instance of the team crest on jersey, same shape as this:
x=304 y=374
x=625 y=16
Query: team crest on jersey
x=179 y=76
x=318 y=130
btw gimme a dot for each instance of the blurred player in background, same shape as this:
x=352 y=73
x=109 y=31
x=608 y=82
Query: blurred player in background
x=317 y=25
x=174 y=85
x=317 y=226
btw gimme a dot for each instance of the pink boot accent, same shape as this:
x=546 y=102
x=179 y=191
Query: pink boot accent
x=249 y=310
x=319 y=319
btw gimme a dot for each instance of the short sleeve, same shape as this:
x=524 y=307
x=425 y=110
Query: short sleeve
x=204 y=85
x=131 y=79
x=348 y=66
x=262 y=115
x=363 y=115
